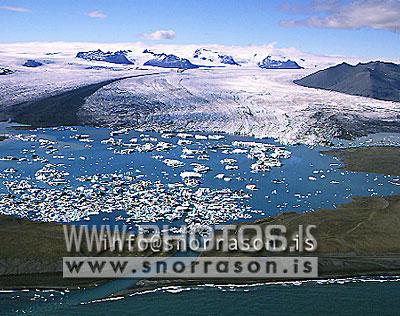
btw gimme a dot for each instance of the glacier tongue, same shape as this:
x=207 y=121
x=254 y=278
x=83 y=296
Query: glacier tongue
x=247 y=101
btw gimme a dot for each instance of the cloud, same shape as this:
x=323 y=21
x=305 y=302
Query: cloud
x=14 y=9
x=97 y=14
x=314 y=6
x=383 y=15
x=160 y=35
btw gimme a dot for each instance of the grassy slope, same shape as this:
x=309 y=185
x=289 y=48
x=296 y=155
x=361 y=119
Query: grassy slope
x=31 y=254
x=377 y=159
x=361 y=237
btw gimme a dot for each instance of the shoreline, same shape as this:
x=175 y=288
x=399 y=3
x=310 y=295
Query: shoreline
x=158 y=285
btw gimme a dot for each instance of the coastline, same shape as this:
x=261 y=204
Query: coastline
x=151 y=285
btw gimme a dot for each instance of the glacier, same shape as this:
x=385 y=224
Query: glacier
x=246 y=100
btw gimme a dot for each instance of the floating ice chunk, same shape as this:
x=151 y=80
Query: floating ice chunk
x=183 y=156
x=200 y=168
x=228 y=161
x=184 y=135
x=188 y=151
x=127 y=151
x=216 y=137
x=190 y=178
x=260 y=167
x=251 y=187
x=190 y=174
x=146 y=147
x=164 y=146
x=281 y=153
x=231 y=167
x=147 y=138
x=82 y=138
x=239 y=151
x=8 y=158
x=119 y=132
x=112 y=141
x=167 y=135
x=182 y=142
x=174 y=163
x=253 y=144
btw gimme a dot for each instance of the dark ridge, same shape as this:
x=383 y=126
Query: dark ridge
x=378 y=80
x=58 y=110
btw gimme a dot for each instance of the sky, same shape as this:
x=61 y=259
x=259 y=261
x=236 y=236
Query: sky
x=364 y=28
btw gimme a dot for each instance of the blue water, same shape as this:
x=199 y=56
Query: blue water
x=350 y=299
x=343 y=297
x=308 y=180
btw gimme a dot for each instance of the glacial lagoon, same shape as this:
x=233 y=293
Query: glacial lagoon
x=96 y=175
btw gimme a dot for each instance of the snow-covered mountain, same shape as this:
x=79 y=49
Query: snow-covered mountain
x=32 y=63
x=118 y=57
x=269 y=63
x=168 y=61
x=5 y=71
x=138 y=53
x=214 y=57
